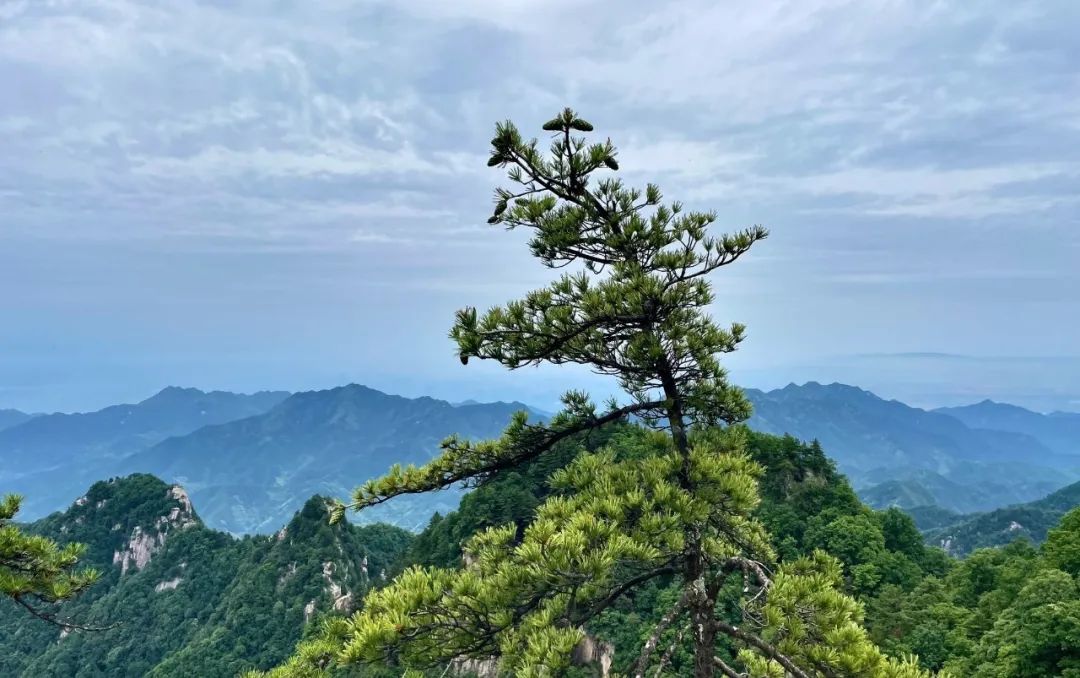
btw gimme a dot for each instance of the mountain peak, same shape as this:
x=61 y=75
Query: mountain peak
x=816 y=387
x=125 y=520
x=9 y=418
x=173 y=393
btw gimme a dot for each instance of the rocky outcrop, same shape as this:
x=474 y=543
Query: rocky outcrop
x=142 y=544
x=592 y=651
x=589 y=652
x=481 y=668
x=140 y=548
x=183 y=515
x=168 y=585
x=341 y=599
x=288 y=574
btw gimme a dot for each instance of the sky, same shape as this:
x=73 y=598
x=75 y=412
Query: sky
x=246 y=195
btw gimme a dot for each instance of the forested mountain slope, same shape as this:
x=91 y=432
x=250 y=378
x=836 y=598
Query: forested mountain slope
x=188 y=600
x=1003 y=612
x=806 y=505
x=194 y=601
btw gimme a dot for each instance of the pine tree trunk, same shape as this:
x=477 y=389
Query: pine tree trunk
x=704 y=644
x=700 y=607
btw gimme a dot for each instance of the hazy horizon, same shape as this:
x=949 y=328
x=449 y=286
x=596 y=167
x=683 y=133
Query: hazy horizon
x=882 y=376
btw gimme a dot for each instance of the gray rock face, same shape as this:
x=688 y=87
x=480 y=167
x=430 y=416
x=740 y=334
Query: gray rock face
x=142 y=544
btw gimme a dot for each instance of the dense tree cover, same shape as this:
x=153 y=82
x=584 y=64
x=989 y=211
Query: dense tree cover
x=805 y=503
x=678 y=512
x=206 y=604
x=924 y=603
x=1010 y=612
x=36 y=573
x=917 y=600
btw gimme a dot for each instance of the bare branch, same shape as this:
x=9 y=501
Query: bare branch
x=65 y=624
x=511 y=460
x=665 y=659
x=726 y=669
x=642 y=663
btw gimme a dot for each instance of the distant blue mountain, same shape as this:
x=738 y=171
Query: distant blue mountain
x=250 y=460
x=250 y=475
x=885 y=441
x=1059 y=431
x=9 y=418
x=49 y=458
x=54 y=439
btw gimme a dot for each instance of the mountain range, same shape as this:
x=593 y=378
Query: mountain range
x=51 y=458
x=9 y=418
x=959 y=535
x=895 y=454
x=247 y=474
x=1059 y=431
x=249 y=461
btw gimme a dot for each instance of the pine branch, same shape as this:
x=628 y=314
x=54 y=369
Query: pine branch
x=450 y=468
x=65 y=624
x=761 y=645
x=665 y=659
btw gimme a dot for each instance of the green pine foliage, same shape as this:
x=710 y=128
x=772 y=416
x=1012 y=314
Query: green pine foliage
x=37 y=573
x=680 y=515
x=942 y=611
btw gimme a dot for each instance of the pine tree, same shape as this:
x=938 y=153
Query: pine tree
x=37 y=573
x=633 y=307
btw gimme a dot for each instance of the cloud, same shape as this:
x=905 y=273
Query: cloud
x=879 y=108
x=217 y=162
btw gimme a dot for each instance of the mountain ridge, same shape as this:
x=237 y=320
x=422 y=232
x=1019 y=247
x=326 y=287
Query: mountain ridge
x=52 y=457
x=875 y=441
x=10 y=417
x=256 y=456
x=1060 y=431
x=249 y=472
x=1030 y=521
